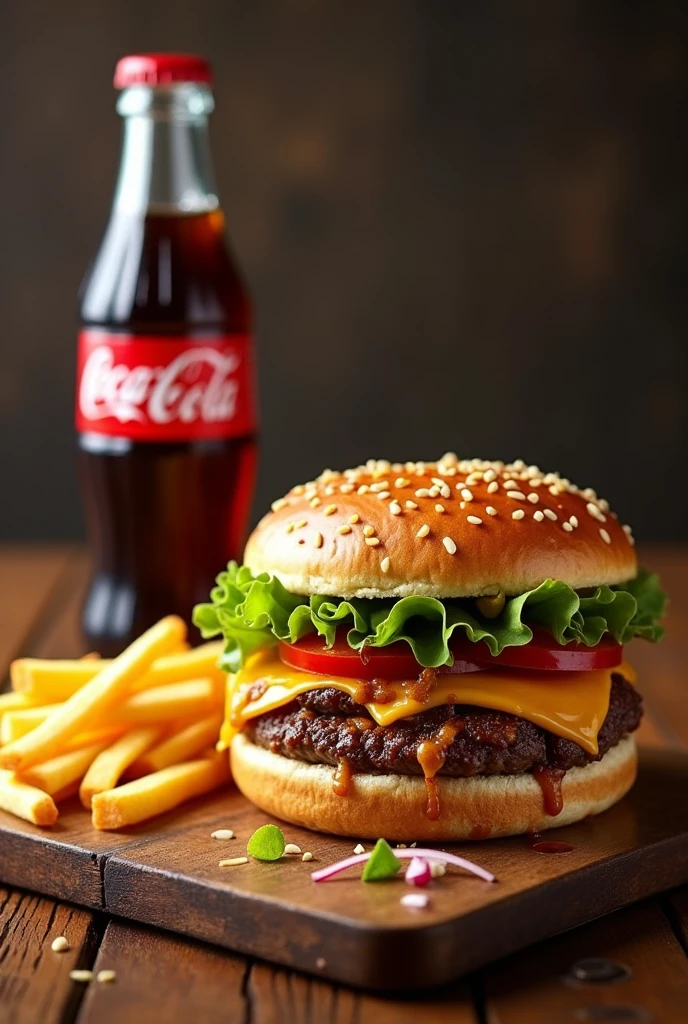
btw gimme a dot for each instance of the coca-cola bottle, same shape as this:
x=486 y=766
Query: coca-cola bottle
x=165 y=407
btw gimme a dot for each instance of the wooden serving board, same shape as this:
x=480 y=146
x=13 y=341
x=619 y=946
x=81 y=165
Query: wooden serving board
x=166 y=873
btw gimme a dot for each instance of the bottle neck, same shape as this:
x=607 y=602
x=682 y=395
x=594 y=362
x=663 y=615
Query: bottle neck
x=166 y=166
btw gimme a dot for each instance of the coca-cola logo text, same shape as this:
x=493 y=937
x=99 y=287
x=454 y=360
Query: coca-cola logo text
x=183 y=390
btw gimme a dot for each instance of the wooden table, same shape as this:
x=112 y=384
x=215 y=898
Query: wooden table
x=161 y=977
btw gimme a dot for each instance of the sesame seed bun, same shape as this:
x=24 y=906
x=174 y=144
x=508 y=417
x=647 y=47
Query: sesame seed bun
x=447 y=529
x=394 y=806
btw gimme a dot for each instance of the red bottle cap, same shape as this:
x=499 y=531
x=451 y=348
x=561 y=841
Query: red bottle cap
x=161 y=69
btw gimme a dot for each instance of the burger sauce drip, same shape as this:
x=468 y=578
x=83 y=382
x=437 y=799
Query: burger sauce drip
x=549 y=780
x=373 y=691
x=342 y=778
x=431 y=756
x=540 y=845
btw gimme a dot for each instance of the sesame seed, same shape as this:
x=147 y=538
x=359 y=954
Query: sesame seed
x=462 y=505
x=300 y=524
x=489 y=475
x=381 y=485
x=516 y=495
x=411 y=504
x=439 y=508
x=299 y=489
x=554 y=490
x=372 y=541
x=292 y=848
x=233 y=862
x=105 y=977
x=476 y=520
x=422 y=492
x=330 y=510
x=605 y=536
x=438 y=868
x=533 y=497
x=384 y=564
x=368 y=531
x=317 y=540
x=433 y=492
x=574 y=521
x=289 y=528
x=307 y=856
x=449 y=545
x=346 y=488
x=363 y=489
x=359 y=848
x=344 y=529
x=466 y=494
x=518 y=514
x=627 y=529
x=222 y=833
x=604 y=505
x=59 y=945
x=536 y=482
x=401 y=481
x=551 y=515
x=424 y=530
x=84 y=976
x=491 y=511
x=277 y=505
x=538 y=516
x=383 y=495
x=354 y=518
x=492 y=487
x=395 y=508
x=329 y=490
x=314 y=502
x=567 y=527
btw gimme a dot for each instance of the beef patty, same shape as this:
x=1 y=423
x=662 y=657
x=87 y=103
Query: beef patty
x=326 y=726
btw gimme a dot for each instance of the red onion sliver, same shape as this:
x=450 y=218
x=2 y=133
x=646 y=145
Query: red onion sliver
x=418 y=872
x=322 y=874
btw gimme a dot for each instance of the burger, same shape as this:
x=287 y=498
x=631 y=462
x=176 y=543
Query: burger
x=434 y=651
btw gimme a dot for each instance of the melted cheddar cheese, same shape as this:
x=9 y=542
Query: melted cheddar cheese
x=572 y=705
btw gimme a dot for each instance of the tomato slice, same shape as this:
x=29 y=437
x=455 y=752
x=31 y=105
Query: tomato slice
x=393 y=662
x=397 y=661
x=544 y=653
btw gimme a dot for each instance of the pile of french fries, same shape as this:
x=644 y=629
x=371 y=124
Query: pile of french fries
x=134 y=737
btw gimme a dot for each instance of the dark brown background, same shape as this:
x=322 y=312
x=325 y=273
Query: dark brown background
x=464 y=225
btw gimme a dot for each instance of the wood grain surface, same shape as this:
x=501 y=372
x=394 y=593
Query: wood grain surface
x=649 y=937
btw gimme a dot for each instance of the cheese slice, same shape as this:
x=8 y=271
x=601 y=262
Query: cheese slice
x=572 y=705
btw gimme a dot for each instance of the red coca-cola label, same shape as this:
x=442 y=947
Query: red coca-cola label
x=152 y=388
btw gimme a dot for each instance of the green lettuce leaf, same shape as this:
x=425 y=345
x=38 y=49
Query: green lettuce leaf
x=254 y=612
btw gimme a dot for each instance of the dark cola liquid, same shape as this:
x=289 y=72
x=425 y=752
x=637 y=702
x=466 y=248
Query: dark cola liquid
x=163 y=518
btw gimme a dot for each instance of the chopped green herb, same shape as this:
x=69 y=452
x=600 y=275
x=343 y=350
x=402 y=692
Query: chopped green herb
x=382 y=863
x=266 y=843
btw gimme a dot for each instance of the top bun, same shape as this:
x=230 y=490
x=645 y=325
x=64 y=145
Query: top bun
x=447 y=529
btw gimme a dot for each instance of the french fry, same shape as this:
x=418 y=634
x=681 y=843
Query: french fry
x=10 y=702
x=15 y=724
x=180 y=746
x=59 y=772
x=26 y=801
x=105 y=770
x=51 y=682
x=153 y=794
x=167 y=703
x=160 y=704
x=95 y=699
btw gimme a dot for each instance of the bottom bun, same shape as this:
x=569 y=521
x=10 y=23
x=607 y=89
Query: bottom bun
x=394 y=806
